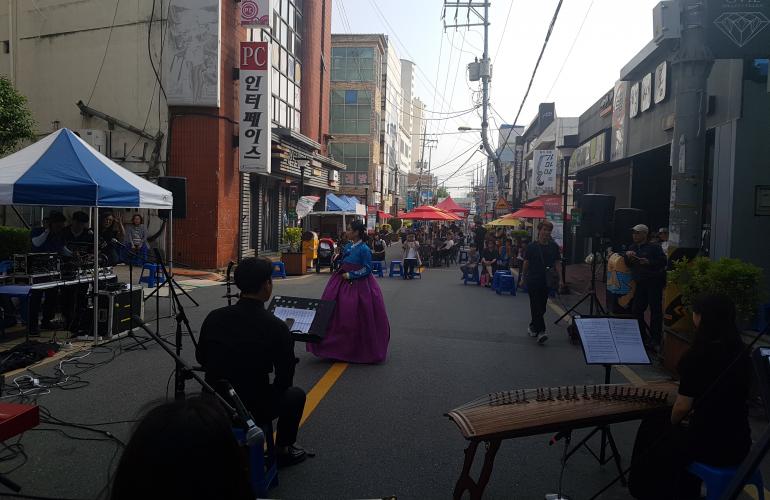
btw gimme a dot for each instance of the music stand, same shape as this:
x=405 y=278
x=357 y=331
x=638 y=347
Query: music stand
x=609 y=341
x=594 y=304
x=311 y=316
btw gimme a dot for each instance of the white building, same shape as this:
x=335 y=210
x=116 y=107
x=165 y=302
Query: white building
x=418 y=108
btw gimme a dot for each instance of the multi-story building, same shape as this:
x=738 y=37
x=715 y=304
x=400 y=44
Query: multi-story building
x=507 y=152
x=418 y=108
x=168 y=73
x=371 y=118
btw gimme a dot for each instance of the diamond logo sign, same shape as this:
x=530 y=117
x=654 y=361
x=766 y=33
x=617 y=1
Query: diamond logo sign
x=741 y=27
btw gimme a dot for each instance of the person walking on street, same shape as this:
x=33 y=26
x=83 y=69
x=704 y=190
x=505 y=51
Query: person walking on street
x=648 y=268
x=540 y=273
x=410 y=256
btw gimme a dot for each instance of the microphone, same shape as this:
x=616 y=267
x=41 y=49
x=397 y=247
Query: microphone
x=254 y=434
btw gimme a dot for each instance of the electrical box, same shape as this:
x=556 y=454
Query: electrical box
x=96 y=138
x=665 y=21
x=485 y=68
x=474 y=71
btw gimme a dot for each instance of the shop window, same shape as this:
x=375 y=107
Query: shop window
x=355 y=155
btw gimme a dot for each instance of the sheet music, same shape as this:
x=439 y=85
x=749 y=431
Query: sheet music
x=628 y=341
x=598 y=343
x=303 y=318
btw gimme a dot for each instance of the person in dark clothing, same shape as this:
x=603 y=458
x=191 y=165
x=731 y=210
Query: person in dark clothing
x=489 y=258
x=243 y=344
x=183 y=449
x=542 y=256
x=648 y=268
x=709 y=421
x=78 y=236
x=111 y=236
x=50 y=239
x=479 y=235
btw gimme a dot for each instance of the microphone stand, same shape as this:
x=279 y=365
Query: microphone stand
x=228 y=294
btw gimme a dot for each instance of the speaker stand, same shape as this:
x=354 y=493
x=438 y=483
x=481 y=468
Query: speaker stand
x=594 y=304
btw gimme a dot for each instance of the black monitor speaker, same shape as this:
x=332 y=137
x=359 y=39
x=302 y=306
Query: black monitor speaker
x=625 y=219
x=597 y=212
x=178 y=188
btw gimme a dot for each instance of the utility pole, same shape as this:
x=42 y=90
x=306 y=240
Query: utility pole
x=484 y=69
x=430 y=144
x=691 y=66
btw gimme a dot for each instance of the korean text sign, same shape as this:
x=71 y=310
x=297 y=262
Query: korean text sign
x=254 y=110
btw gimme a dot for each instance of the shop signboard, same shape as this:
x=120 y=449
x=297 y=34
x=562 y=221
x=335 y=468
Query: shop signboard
x=254 y=110
x=255 y=13
x=193 y=53
x=588 y=154
x=619 y=121
x=544 y=172
x=553 y=207
x=738 y=28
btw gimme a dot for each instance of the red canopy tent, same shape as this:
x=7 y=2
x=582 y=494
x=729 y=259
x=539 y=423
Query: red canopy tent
x=528 y=213
x=383 y=215
x=428 y=212
x=449 y=205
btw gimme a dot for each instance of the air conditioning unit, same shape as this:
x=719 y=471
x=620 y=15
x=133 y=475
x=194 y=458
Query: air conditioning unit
x=96 y=138
x=665 y=21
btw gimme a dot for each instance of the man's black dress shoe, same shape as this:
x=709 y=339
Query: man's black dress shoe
x=293 y=456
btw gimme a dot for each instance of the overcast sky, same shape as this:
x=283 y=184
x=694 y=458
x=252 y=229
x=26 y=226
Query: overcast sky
x=573 y=77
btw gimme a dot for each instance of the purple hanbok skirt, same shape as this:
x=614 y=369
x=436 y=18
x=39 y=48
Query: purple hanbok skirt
x=359 y=330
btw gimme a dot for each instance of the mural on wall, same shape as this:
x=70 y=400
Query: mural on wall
x=192 y=53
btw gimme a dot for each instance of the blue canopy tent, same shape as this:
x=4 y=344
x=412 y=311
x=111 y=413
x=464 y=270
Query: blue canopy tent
x=64 y=170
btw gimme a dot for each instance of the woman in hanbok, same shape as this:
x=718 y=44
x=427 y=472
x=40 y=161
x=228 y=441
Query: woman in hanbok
x=359 y=330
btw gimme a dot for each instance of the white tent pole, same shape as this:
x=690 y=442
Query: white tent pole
x=95 y=224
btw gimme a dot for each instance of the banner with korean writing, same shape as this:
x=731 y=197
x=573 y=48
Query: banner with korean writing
x=544 y=172
x=254 y=111
x=255 y=13
x=553 y=207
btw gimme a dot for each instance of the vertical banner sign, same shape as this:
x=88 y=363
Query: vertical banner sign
x=620 y=107
x=553 y=208
x=254 y=111
x=543 y=172
x=255 y=13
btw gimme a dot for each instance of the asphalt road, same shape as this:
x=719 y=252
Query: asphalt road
x=380 y=430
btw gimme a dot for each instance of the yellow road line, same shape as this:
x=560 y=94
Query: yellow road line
x=321 y=388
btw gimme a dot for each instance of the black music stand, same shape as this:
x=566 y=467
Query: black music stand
x=600 y=336
x=319 y=310
x=594 y=304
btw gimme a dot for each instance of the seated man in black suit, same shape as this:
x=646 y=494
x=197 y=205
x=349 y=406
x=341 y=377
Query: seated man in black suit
x=243 y=344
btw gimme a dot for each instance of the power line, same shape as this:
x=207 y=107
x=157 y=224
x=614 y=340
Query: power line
x=475 y=145
x=461 y=166
x=569 y=52
x=534 y=72
x=505 y=25
x=106 y=49
x=149 y=50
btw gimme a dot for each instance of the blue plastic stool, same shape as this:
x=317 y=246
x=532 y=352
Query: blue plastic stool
x=506 y=284
x=496 y=278
x=279 y=270
x=262 y=476
x=473 y=277
x=396 y=269
x=154 y=275
x=716 y=479
x=377 y=268
x=462 y=257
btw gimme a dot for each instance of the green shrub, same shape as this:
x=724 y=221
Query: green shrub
x=13 y=240
x=739 y=280
x=292 y=236
x=395 y=224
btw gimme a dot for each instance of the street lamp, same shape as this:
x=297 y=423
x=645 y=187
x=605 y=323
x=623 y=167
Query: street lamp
x=565 y=151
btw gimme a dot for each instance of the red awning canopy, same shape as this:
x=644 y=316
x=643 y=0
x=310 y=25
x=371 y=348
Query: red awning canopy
x=449 y=205
x=528 y=213
x=428 y=212
x=538 y=203
x=383 y=215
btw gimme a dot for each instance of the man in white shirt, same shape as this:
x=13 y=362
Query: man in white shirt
x=446 y=249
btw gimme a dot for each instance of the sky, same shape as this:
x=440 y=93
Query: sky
x=591 y=41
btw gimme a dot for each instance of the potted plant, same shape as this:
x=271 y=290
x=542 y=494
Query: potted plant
x=739 y=280
x=293 y=259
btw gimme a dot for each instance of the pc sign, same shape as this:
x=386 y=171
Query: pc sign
x=255 y=13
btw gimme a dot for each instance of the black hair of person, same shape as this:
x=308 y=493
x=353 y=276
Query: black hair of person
x=360 y=228
x=544 y=223
x=183 y=449
x=56 y=216
x=141 y=219
x=252 y=273
x=80 y=216
x=718 y=321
